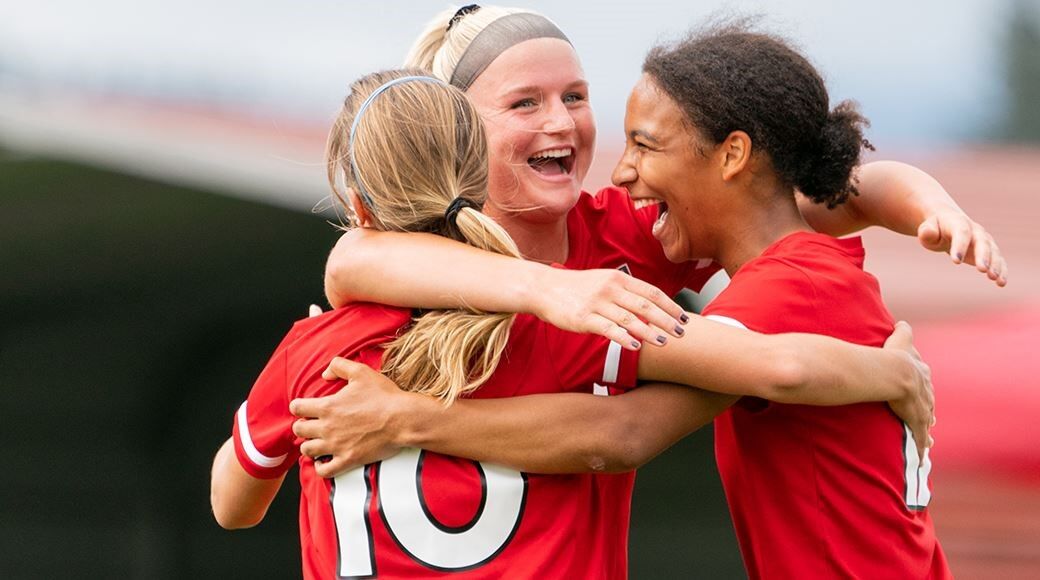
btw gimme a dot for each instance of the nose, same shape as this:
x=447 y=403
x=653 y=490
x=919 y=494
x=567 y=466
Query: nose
x=558 y=119
x=625 y=171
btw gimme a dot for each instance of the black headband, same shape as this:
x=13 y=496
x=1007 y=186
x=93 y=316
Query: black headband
x=468 y=9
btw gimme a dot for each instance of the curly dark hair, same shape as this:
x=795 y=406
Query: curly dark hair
x=728 y=77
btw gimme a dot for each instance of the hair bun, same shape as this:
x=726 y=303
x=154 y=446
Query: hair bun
x=827 y=178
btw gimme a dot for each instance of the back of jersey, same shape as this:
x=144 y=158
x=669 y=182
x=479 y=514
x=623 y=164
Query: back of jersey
x=425 y=514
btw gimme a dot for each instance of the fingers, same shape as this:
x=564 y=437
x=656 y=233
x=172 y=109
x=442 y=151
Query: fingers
x=929 y=234
x=308 y=428
x=902 y=336
x=662 y=310
x=636 y=327
x=653 y=315
x=610 y=330
x=315 y=448
x=341 y=368
x=306 y=408
x=998 y=267
x=331 y=467
x=960 y=234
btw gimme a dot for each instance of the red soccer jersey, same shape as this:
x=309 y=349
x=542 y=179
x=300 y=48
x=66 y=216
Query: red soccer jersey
x=421 y=514
x=821 y=492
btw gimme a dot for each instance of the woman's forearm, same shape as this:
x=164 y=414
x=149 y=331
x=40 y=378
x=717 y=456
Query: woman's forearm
x=427 y=271
x=893 y=195
x=562 y=433
x=786 y=368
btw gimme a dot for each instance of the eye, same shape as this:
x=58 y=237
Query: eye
x=524 y=104
x=573 y=98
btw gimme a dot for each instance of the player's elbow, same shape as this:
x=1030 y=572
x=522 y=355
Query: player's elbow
x=620 y=448
x=348 y=255
x=233 y=514
x=788 y=378
x=233 y=519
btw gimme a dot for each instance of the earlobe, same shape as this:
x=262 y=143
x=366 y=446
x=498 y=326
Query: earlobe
x=736 y=154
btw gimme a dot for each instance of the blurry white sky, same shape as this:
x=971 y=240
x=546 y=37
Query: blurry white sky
x=924 y=71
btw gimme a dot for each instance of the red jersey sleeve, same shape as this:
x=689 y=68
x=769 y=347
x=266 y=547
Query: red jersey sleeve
x=768 y=295
x=588 y=359
x=264 y=441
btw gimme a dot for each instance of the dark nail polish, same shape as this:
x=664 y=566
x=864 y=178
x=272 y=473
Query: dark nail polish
x=960 y=257
x=679 y=330
x=684 y=318
x=635 y=344
x=662 y=339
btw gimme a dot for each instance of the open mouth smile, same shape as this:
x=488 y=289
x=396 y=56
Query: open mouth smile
x=551 y=162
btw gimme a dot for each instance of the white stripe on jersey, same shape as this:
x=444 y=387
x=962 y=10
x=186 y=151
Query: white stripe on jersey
x=726 y=320
x=610 y=366
x=252 y=452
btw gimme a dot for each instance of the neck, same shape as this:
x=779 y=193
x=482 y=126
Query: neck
x=753 y=228
x=539 y=241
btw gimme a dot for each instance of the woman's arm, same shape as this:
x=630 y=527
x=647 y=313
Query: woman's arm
x=558 y=433
x=238 y=499
x=408 y=269
x=807 y=369
x=904 y=199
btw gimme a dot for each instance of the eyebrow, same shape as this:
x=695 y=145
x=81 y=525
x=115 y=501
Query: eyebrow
x=644 y=135
x=582 y=84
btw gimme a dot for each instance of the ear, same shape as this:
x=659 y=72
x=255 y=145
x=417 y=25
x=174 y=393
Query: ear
x=364 y=218
x=734 y=154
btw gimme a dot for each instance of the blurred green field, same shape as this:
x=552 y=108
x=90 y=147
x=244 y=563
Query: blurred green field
x=133 y=317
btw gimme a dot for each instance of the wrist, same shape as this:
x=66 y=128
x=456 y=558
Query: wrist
x=535 y=282
x=908 y=373
x=412 y=419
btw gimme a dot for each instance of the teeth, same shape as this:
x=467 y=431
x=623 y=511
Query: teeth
x=552 y=153
x=645 y=201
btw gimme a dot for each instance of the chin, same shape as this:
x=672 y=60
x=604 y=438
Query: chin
x=675 y=256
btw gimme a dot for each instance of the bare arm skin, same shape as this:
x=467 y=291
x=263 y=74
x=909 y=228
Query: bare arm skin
x=371 y=418
x=906 y=200
x=238 y=499
x=557 y=433
x=408 y=270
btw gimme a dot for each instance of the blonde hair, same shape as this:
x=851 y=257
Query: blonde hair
x=438 y=50
x=417 y=147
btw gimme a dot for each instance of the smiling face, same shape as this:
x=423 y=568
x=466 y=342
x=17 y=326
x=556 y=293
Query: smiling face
x=663 y=162
x=534 y=101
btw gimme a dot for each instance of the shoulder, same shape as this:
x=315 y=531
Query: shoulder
x=765 y=294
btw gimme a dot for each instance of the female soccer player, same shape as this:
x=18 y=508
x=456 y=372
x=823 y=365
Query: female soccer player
x=722 y=128
x=413 y=153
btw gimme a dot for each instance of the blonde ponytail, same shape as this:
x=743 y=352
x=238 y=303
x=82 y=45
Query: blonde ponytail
x=416 y=148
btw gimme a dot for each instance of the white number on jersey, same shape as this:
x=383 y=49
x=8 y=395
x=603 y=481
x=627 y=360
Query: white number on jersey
x=416 y=531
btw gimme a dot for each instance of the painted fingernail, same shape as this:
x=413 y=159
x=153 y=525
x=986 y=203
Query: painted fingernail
x=684 y=318
x=635 y=344
x=662 y=339
x=959 y=256
x=679 y=330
